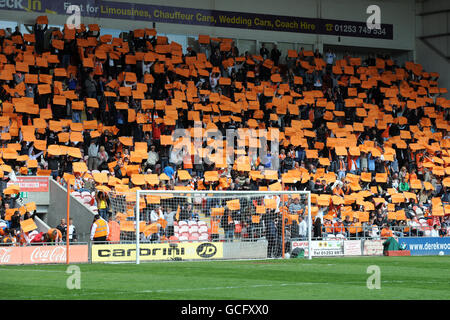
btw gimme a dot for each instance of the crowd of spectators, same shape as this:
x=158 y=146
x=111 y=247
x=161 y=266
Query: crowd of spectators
x=369 y=138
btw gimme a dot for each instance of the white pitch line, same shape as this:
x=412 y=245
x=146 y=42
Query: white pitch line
x=75 y=293
x=227 y=287
x=174 y=290
x=363 y=283
x=35 y=270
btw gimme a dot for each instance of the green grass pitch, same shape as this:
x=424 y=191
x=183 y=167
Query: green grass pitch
x=290 y=279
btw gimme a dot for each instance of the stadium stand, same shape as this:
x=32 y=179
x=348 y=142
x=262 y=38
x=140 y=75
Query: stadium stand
x=369 y=138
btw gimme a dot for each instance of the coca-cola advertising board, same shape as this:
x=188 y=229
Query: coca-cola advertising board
x=43 y=254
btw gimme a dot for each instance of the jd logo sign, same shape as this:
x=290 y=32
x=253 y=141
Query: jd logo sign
x=206 y=250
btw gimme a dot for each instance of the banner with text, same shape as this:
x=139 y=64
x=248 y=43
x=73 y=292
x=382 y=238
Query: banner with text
x=426 y=245
x=202 y=17
x=352 y=248
x=157 y=251
x=43 y=254
x=327 y=248
x=373 y=247
x=302 y=244
x=31 y=183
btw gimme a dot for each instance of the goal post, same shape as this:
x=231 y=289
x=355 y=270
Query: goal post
x=267 y=220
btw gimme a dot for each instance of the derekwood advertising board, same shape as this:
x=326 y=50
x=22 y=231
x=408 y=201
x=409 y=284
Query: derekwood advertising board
x=43 y=254
x=157 y=251
x=426 y=245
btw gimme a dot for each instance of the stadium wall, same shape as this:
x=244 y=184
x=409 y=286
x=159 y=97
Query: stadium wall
x=433 y=51
x=41 y=225
x=34 y=189
x=245 y=250
x=399 y=13
x=82 y=216
x=431 y=61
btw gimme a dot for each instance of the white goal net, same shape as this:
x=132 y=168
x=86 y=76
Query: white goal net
x=269 y=220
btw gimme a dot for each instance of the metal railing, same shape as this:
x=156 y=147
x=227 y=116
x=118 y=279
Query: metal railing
x=34 y=244
x=371 y=233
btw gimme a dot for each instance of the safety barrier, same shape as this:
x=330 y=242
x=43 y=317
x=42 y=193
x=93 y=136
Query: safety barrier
x=370 y=232
x=50 y=253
